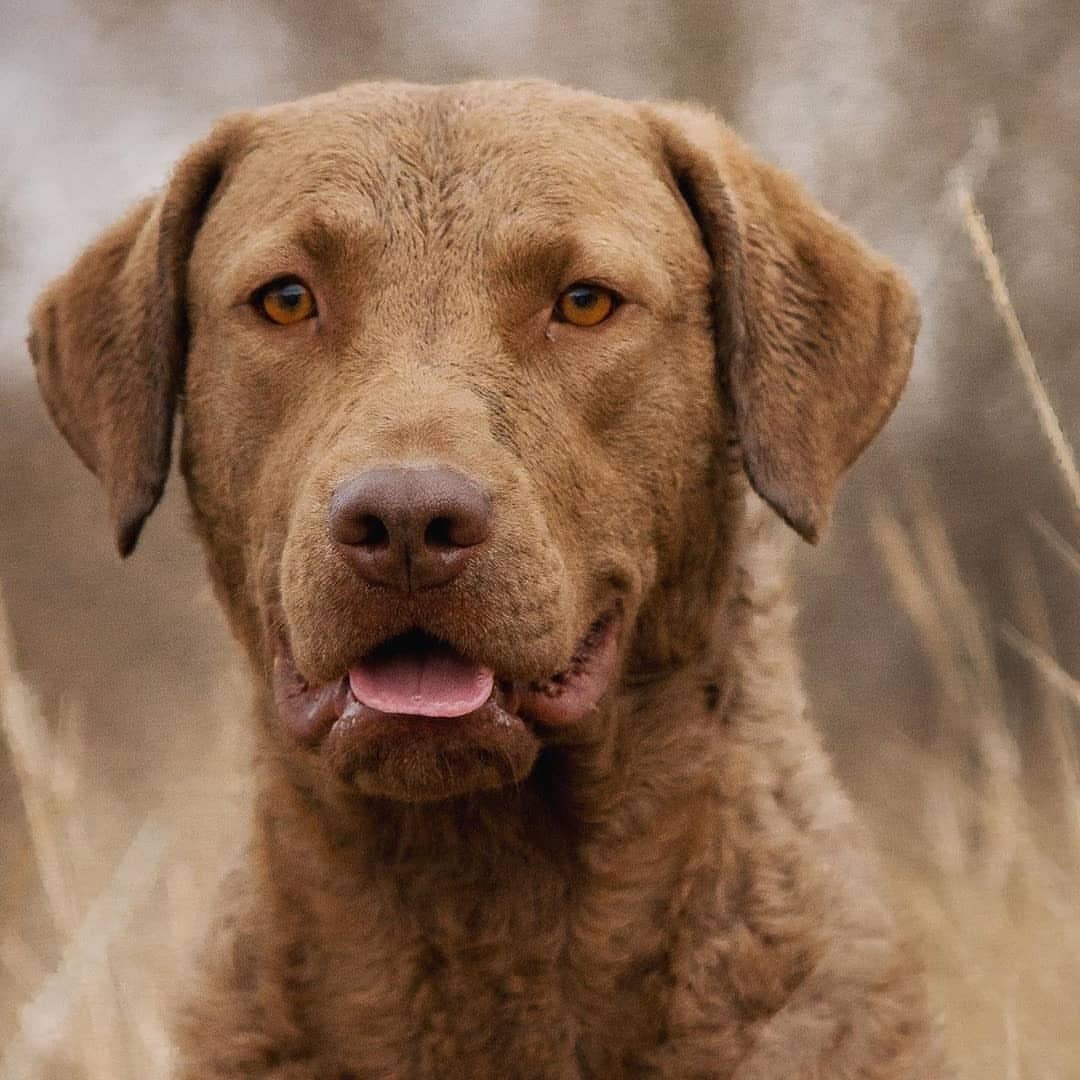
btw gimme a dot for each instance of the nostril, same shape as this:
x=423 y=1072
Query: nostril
x=371 y=532
x=439 y=533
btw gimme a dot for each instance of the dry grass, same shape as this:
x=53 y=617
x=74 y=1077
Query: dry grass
x=986 y=872
x=995 y=277
x=92 y=1001
x=990 y=874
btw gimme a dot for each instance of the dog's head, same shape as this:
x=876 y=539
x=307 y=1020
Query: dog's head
x=472 y=379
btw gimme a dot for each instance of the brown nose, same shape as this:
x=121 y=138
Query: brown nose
x=410 y=527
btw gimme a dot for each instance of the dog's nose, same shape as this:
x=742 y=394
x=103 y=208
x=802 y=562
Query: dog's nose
x=410 y=528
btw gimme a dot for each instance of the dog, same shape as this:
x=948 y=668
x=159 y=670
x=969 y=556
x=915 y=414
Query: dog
x=500 y=404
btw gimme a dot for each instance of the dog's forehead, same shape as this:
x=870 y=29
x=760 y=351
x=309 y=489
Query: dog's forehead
x=504 y=143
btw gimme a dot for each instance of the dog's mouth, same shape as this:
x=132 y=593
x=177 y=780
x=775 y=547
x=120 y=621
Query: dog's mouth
x=427 y=686
x=415 y=674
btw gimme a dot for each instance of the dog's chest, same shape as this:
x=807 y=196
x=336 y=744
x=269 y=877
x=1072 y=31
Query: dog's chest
x=499 y=986
x=524 y=1015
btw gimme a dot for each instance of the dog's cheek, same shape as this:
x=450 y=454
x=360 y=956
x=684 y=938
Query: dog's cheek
x=671 y=486
x=207 y=474
x=674 y=435
x=656 y=417
x=242 y=446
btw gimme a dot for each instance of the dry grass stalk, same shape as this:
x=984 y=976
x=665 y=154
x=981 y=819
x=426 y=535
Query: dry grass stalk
x=1057 y=543
x=1046 y=665
x=926 y=580
x=42 y=784
x=1052 y=705
x=981 y=241
x=915 y=594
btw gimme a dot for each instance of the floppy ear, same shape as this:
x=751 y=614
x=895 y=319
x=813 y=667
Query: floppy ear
x=814 y=332
x=108 y=339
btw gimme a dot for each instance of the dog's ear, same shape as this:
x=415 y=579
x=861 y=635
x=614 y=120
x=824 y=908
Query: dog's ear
x=108 y=338
x=814 y=332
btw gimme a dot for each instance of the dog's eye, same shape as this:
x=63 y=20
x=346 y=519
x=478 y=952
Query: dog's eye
x=285 y=301
x=585 y=305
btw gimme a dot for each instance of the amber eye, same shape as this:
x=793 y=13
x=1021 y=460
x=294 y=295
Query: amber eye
x=585 y=305
x=285 y=302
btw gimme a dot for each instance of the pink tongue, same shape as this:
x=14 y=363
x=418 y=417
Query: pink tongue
x=432 y=681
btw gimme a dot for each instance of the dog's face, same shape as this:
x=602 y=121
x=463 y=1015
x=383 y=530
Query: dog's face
x=447 y=485
x=462 y=370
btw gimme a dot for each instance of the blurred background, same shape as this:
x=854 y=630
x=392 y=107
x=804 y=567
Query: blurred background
x=939 y=618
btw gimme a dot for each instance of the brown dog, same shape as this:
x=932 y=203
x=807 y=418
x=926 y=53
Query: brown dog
x=476 y=383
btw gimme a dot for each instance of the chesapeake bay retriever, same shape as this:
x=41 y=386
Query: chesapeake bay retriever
x=493 y=399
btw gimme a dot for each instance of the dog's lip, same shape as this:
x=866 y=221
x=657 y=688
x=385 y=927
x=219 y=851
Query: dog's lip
x=311 y=712
x=571 y=694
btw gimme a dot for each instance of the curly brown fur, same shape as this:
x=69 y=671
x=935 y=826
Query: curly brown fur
x=670 y=885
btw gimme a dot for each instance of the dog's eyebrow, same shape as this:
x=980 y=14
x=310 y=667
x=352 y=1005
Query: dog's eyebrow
x=304 y=240
x=544 y=259
x=332 y=235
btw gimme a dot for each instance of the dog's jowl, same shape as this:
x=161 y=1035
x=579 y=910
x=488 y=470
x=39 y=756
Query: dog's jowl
x=499 y=406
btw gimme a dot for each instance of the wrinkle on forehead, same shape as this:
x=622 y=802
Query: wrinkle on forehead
x=449 y=144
